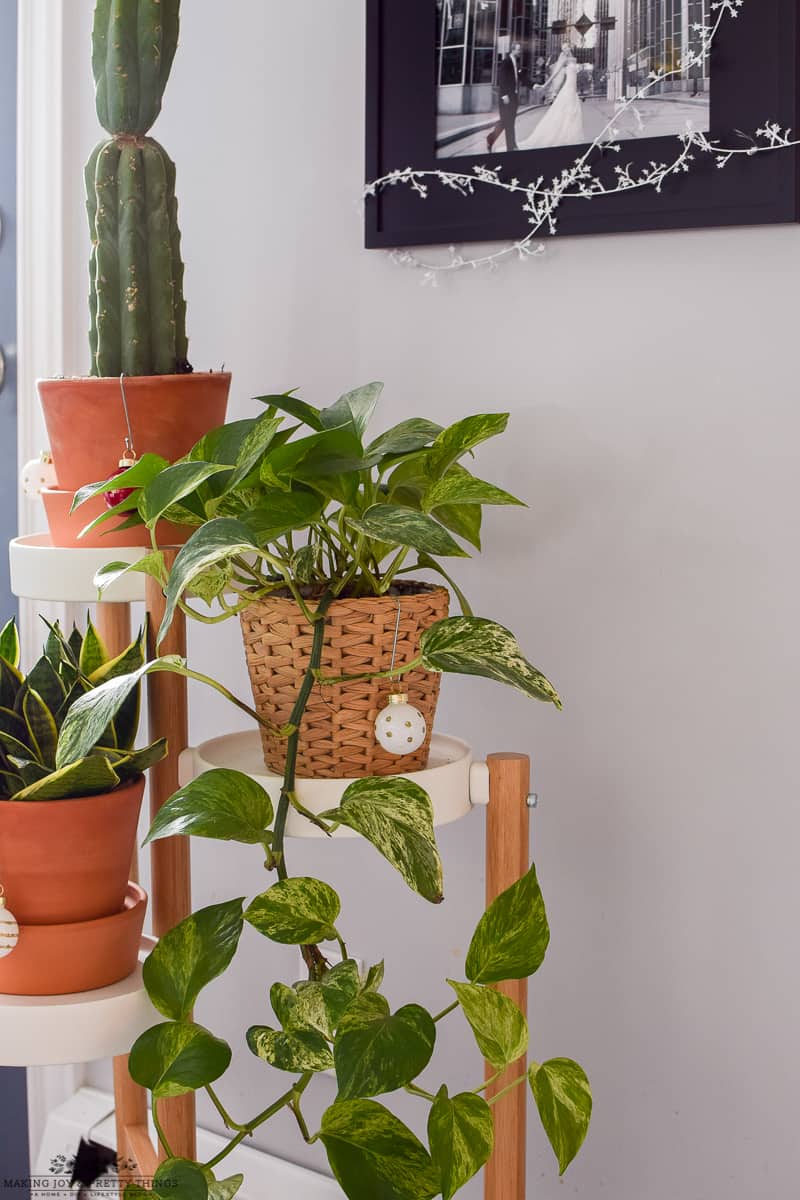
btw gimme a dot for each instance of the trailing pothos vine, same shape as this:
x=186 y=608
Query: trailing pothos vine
x=377 y=504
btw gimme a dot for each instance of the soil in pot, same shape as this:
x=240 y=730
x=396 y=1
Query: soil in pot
x=59 y=960
x=63 y=861
x=337 y=734
x=86 y=423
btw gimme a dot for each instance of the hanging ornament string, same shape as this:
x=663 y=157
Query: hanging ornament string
x=129 y=456
x=9 y=929
x=399 y=727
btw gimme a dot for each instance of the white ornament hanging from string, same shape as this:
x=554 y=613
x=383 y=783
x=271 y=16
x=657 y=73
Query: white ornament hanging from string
x=9 y=929
x=400 y=728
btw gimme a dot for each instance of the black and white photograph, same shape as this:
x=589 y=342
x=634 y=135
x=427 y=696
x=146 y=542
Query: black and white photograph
x=536 y=74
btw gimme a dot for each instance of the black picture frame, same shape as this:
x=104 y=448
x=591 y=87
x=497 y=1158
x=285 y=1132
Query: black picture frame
x=755 y=76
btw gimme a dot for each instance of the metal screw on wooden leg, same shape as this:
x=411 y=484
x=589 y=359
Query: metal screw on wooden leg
x=532 y=800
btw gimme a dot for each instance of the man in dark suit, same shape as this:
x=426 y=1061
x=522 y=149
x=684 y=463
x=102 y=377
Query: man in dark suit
x=508 y=95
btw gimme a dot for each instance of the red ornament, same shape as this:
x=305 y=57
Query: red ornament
x=117 y=495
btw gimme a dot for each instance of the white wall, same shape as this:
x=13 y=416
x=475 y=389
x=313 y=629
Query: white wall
x=654 y=577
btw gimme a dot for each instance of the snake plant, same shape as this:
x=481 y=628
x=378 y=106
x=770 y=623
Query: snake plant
x=33 y=708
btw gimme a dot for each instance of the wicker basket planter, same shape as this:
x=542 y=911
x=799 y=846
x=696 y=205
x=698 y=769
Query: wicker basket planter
x=337 y=736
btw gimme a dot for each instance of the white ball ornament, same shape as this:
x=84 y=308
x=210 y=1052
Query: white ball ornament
x=37 y=474
x=400 y=728
x=9 y=929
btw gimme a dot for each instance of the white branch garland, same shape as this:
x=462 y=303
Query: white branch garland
x=579 y=181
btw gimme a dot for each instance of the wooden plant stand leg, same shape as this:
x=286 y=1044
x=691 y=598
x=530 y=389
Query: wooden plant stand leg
x=135 y=1154
x=507 y=829
x=171 y=876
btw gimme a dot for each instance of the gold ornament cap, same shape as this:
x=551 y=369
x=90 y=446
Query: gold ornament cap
x=398 y=698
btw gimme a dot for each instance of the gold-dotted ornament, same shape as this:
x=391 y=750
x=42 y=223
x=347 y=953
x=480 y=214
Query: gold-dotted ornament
x=9 y=929
x=400 y=728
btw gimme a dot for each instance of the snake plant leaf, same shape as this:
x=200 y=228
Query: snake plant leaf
x=373 y=1154
x=177 y=1057
x=30 y=772
x=189 y=956
x=293 y=1050
x=511 y=938
x=407 y=527
x=222 y=1189
x=405 y=438
x=151 y=564
x=221 y=538
x=457 y=440
x=138 y=476
x=135 y=762
x=47 y=682
x=295 y=911
x=459 y=487
x=128 y=660
x=14 y=747
x=90 y=715
x=9 y=643
x=171 y=485
x=294 y=407
x=500 y=1029
x=222 y=804
x=75 y=642
x=93 y=651
x=563 y=1097
x=11 y=682
x=461 y=1138
x=476 y=646
x=396 y=816
x=377 y=1051
x=178 y=1179
x=354 y=408
x=42 y=731
x=86 y=777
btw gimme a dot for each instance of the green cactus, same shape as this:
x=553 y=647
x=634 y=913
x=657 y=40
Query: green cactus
x=136 y=304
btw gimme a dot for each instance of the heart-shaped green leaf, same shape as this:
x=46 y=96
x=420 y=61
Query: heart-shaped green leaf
x=461 y=1138
x=511 y=939
x=475 y=646
x=290 y=1050
x=354 y=408
x=500 y=1029
x=396 y=816
x=192 y=954
x=454 y=442
x=179 y=1179
x=219 y=539
x=222 y=1189
x=406 y=527
x=377 y=1051
x=137 y=476
x=87 y=777
x=373 y=1154
x=564 y=1099
x=171 y=486
x=222 y=804
x=298 y=409
x=459 y=487
x=320 y=1005
x=295 y=911
x=178 y=1057
x=405 y=438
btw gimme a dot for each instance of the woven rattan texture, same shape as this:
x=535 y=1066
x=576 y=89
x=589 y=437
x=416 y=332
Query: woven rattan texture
x=337 y=735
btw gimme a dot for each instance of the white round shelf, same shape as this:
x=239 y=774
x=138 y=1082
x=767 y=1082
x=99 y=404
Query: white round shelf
x=45 y=1031
x=42 y=571
x=446 y=779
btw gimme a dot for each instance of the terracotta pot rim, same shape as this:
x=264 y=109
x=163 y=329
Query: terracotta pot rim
x=135 y=897
x=132 y=381
x=76 y=801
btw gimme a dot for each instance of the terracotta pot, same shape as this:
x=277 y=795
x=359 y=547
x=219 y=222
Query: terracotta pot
x=337 y=734
x=65 y=527
x=59 y=960
x=86 y=421
x=68 y=860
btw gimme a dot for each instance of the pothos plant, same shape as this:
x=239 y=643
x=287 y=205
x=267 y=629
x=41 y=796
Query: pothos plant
x=250 y=488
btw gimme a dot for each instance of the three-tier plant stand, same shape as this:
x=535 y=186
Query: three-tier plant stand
x=41 y=1031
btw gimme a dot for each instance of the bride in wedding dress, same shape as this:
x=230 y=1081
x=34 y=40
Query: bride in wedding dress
x=562 y=124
